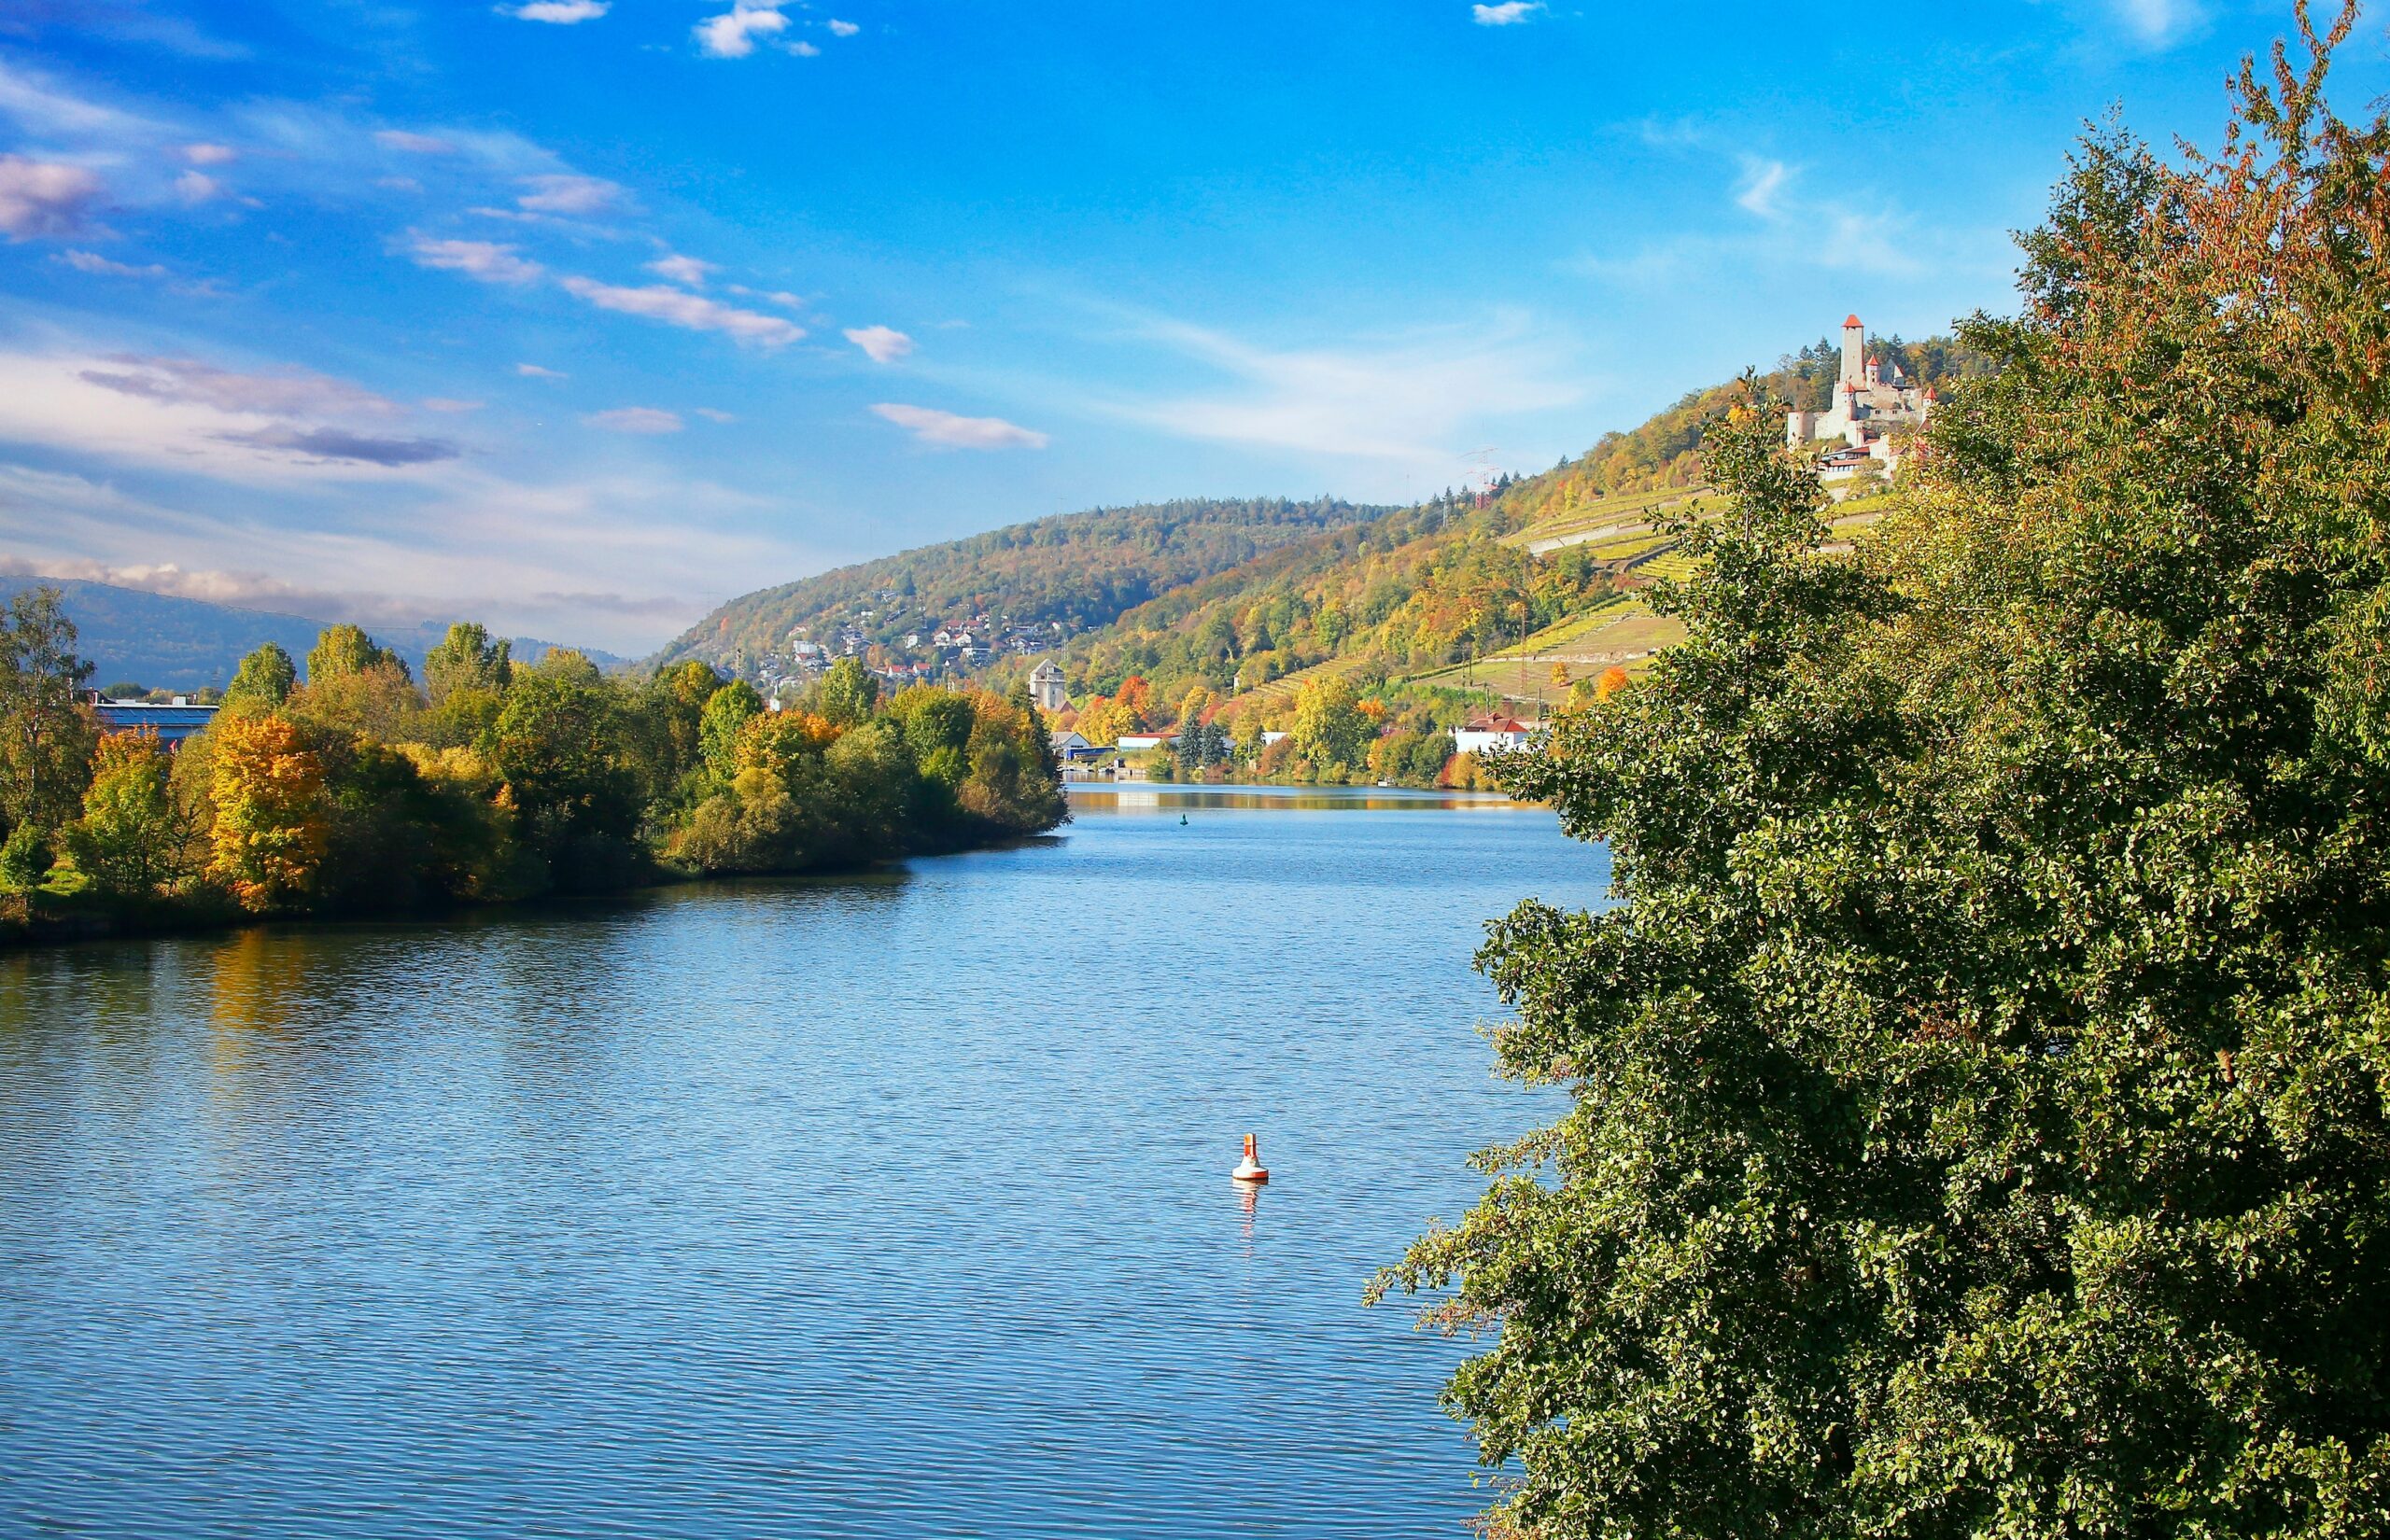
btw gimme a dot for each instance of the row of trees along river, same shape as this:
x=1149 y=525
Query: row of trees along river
x=1981 y=1114
x=361 y=789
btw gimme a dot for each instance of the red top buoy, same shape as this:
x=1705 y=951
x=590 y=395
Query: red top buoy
x=1250 y=1168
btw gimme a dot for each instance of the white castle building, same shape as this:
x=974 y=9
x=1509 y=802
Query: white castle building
x=1870 y=400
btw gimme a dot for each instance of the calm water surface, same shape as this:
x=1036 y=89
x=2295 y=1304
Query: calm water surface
x=890 y=1206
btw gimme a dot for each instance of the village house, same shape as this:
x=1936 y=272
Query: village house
x=1492 y=736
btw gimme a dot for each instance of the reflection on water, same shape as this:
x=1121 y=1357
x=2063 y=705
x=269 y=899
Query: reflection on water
x=1098 y=797
x=877 y=1207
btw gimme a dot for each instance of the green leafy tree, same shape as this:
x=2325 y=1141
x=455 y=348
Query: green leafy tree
x=557 y=743
x=727 y=712
x=343 y=651
x=1330 y=729
x=1978 y=1101
x=264 y=680
x=466 y=659
x=133 y=837
x=848 y=694
x=44 y=736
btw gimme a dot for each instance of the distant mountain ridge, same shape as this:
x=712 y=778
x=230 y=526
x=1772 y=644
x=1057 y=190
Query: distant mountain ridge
x=172 y=643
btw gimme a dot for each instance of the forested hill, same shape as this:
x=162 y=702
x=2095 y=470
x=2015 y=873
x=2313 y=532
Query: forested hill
x=1063 y=575
x=1541 y=571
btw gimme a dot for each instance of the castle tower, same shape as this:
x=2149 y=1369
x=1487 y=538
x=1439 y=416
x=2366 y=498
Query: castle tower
x=1854 y=351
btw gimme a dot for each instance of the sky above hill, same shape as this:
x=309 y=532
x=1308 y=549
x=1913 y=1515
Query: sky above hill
x=580 y=317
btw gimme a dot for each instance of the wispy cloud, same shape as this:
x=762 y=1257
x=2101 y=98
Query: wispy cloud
x=1510 y=13
x=635 y=419
x=946 y=430
x=535 y=371
x=283 y=393
x=1399 y=401
x=196 y=186
x=681 y=269
x=1762 y=180
x=186 y=415
x=93 y=263
x=843 y=29
x=1786 y=228
x=563 y=13
x=45 y=198
x=489 y=261
x=679 y=307
x=410 y=142
x=881 y=344
x=570 y=194
x=210 y=155
x=42 y=106
x=2159 y=22
x=335 y=445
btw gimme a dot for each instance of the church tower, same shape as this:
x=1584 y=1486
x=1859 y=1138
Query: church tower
x=1854 y=353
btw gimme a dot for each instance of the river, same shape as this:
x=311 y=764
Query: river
x=882 y=1207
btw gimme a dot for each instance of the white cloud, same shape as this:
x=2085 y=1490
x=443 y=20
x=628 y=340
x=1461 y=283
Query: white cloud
x=285 y=393
x=732 y=34
x=635 y=419
x=534 y=371
x=883 y=344
x=947 y=430
x=617 y=561
x=1763 y=181
x=678 y=307
x=568 y=194
x=186 y=416
x=804 y=49
x=450 y=404
x=44 y=197
x=681 y=269
x=563 y=13
x=1400 y=403
x=488 y=261
x=195 y=187
x=210 y=155
x=2158 y=23
x=715 y=414
x=1508 y=14
x=843 y=29
x=414 y=144
x=93 y=263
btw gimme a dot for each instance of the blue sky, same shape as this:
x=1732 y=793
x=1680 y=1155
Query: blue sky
x=581 y=317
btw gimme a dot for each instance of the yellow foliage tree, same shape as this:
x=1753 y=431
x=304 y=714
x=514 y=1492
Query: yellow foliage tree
x=270 y=825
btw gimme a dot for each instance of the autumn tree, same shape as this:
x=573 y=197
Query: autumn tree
x=1330 y=729
x=1976 y=1120
x=268 y=796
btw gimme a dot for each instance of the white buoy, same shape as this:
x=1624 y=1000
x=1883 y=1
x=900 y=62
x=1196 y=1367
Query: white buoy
x=1250 y=1168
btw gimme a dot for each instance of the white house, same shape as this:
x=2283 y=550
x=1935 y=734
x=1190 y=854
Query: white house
x=1492 y=736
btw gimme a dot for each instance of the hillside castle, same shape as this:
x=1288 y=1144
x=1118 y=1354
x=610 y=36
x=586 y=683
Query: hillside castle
x=1870 y=400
